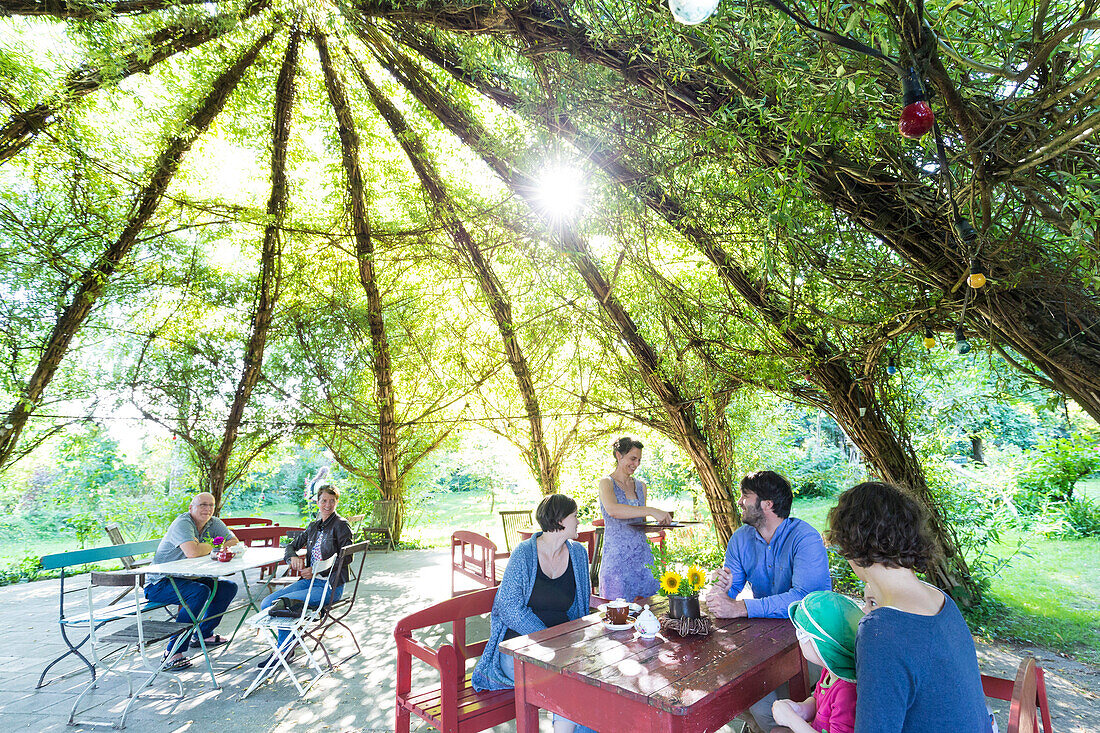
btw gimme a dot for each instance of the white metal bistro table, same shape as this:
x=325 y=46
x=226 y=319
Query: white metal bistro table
x=208 y=567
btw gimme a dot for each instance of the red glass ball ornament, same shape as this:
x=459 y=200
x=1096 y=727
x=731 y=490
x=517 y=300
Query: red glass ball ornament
x=916 y=119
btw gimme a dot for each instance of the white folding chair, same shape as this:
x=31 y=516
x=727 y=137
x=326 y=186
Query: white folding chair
x=134 y=638
x=296 y=627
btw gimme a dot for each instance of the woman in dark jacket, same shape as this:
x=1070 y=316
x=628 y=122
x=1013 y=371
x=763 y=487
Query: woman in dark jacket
x=323 y=538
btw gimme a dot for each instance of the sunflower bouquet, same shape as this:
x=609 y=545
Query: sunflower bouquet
x=676 y=580
x=687 y=584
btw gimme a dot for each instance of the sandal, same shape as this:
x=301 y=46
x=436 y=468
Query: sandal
x=215 y=640
x=177 y=665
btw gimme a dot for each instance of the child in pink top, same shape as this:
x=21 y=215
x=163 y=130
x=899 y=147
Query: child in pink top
x=825 y=623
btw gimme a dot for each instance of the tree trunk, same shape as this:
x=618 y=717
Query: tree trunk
x=22 y=126
x=891 y=455
x=267 y=291
x=1050 y=321
x=537 y=452
x=79 y=10
x=388 y=475
x=94 y=279
x=681 y=412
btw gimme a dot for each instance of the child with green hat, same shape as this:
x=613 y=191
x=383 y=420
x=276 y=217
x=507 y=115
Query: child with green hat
x=825 y=623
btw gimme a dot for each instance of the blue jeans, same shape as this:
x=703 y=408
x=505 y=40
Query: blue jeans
x=297 y=591
x=508 y=667
x=192 y=594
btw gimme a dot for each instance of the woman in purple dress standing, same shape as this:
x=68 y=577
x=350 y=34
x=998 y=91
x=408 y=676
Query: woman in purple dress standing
x=626 y=550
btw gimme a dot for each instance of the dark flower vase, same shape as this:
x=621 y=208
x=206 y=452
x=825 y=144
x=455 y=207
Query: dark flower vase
x=683 y=607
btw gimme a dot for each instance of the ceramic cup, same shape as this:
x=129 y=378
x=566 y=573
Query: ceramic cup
x=618 y=611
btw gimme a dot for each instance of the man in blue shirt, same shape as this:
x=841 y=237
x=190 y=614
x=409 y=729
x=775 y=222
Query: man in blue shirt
x=780 y=558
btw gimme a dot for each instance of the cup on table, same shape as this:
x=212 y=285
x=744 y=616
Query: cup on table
x=618 y=611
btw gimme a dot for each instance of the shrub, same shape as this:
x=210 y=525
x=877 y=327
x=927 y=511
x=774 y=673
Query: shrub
x=819 y=470
x=1056 y=467
x=1072 y=519
x=844 y=578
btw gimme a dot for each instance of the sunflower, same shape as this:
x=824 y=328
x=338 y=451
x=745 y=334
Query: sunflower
x=670 y=582
x=696 y=577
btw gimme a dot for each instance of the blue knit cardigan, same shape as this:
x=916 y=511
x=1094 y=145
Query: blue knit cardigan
x=510 y=610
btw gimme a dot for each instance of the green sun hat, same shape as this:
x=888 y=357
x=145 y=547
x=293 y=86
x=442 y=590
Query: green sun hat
x=830 y=620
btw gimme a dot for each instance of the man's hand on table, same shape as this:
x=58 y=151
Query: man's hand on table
x=717 y=598
x=723 y=579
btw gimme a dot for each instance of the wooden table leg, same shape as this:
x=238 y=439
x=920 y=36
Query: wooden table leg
x=799 y=684
x=527 y=715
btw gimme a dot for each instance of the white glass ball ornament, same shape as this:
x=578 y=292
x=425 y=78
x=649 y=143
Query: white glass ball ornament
x=692 y=12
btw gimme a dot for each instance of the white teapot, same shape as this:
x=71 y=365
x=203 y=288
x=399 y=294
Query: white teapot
x=647 y=624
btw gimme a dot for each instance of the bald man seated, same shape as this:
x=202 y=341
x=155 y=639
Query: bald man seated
x=191 y=535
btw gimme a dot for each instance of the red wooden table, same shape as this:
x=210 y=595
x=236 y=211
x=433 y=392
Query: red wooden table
x=614 y=681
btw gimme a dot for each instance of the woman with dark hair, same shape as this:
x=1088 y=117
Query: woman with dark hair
x=545 y=584
x=626 y=551
x=916 y=668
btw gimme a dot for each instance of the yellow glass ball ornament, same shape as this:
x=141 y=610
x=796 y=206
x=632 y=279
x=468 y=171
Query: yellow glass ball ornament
x=929 y=340
x=977 y=276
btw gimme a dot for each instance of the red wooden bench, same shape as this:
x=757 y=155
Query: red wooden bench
x=232 y=522
x=268 y=536
x=1027 y=693
x=452 y=706
x=475 y=557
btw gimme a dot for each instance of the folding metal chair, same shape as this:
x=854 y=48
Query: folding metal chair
x=297 y=629
x=134 y=638
x=337 y=611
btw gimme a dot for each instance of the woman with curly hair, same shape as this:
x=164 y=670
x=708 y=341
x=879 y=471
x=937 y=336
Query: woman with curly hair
x=916 y=668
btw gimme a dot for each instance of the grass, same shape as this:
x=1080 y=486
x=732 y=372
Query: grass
x=1048 y=594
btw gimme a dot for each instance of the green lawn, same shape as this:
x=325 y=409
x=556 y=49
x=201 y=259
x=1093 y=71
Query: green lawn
x=1050 y=589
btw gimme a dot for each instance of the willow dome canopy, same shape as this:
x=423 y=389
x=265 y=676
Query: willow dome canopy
x=764 y=153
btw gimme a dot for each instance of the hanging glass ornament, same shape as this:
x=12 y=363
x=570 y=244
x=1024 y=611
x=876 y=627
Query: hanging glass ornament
x=962 y=346
x=977 y=276
x=692 y=12
x=916 y=116
x=929 y=340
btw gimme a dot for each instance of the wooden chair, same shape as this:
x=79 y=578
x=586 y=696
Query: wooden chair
x=354 y=521
x=114 y=532
x=1027 y=695
x=451 y=705
x=379 y=535
x=514 y=520
x=246 y=522
x=81 y=621
x=475 y=556
x=596 y=559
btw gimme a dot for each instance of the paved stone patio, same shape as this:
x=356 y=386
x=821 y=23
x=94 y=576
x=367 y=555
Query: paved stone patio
x=356 y=698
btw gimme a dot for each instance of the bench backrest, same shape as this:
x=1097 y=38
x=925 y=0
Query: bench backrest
x=453 y=611
x=263 y=536
x=245 y=521
x=1027 y=695
x=97 y=554
x=473 y=556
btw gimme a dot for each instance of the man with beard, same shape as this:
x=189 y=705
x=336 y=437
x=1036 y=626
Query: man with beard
x=781 y=559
